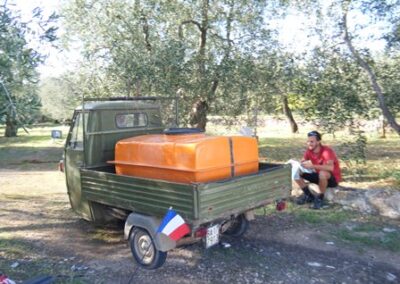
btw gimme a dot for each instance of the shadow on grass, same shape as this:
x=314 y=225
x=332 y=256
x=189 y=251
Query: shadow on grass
x=55 y=215
x=277 y=255
x=48 y=198
x=33 y=262
x=33 y=227
x=30 y=158
x=31 y=139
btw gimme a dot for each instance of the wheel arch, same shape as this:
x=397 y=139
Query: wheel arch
x=150 y=224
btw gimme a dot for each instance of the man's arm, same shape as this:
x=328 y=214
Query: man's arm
x=326 y=167
x=328 y=157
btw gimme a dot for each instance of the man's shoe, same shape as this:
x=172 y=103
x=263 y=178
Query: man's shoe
x=318 y=203
x=304 y=198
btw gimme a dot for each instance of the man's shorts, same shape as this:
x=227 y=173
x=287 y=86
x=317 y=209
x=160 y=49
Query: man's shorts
x=314 y=178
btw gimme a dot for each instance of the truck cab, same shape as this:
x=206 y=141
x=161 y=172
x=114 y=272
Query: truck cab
x=102 y=124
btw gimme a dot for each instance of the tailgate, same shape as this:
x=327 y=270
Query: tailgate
x=221 y=199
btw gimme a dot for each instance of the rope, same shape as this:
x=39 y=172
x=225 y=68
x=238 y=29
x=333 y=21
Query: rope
x=138 y=265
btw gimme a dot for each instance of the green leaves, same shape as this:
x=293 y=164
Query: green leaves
x=200 y=49
x=19 y=103
x=223 y=52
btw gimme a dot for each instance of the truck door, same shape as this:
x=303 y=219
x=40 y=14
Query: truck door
x=74 y=160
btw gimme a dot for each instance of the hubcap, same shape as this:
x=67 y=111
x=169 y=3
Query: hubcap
x=144 y=247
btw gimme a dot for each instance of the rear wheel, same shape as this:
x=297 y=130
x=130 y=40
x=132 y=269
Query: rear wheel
x=238 y=226
x=144 y=250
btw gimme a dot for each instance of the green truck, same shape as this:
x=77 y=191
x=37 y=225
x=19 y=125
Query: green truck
x=99 y=195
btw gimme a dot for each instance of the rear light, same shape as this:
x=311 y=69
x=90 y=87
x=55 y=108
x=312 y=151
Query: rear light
x=280 y=205
x=61 y=166
x=200 y=233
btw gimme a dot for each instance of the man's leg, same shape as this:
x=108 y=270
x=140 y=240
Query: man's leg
x=300 y=182
x=307 y=196
x=323 y=178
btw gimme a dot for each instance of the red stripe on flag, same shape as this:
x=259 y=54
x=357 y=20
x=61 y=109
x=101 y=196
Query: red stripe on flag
x=180 y=232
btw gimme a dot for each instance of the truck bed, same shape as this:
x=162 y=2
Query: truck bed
x=197 y=202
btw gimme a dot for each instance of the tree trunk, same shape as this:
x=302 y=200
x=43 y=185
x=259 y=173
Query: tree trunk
x=138 y=85
x=11 y=126
x=372 y=77
x=383 y=126
x=203 y=40
x=288 y=112
x=202 y=74
x=198 y=116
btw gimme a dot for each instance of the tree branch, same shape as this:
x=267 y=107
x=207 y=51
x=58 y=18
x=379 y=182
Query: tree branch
x=372 y=77
x=146 y=32
x=188 y=22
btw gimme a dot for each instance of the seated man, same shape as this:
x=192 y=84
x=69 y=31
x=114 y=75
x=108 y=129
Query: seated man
x=326 y=171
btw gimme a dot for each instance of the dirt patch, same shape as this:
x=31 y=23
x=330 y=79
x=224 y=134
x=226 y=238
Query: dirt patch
x=40 y=235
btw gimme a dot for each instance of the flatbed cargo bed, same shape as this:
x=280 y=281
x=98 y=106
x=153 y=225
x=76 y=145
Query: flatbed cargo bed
x=198 y=203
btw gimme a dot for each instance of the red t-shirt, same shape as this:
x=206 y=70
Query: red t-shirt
x=322 y=157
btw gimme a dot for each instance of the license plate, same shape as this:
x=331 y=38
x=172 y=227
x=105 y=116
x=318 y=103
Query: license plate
x=212 y=237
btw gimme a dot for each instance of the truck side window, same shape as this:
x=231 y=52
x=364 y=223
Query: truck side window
x=127 y=120
x=76 y=141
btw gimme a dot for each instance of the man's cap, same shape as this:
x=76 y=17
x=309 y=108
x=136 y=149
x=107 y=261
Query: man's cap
x=315 y=134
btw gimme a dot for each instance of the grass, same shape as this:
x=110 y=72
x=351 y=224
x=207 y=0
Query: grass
x=371 y=236
x=365 y=231
x=32 y=262
x=12 y=248
x=330 y=216
x=29 y=269
x=36 y=150
x=107 y=235
x=302 y=214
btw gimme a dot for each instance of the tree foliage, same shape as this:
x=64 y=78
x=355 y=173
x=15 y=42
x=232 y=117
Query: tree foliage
x=19 y=102
x=59 y=96
x=221 y=57
x=388 y=72
x=199 y=50
x=332 y=91
x=381 y=8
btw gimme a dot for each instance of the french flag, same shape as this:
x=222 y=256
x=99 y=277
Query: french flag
x=173 y=225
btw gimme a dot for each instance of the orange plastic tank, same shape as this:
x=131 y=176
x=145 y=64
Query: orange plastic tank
x=186 y=158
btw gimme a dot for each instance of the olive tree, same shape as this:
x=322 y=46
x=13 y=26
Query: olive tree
x=19 y=102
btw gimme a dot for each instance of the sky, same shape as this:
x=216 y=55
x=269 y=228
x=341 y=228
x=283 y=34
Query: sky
x=294 y=34
x=57 y=62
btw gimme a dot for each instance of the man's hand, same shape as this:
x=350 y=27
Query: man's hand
x=327 y=167
x=308 y=164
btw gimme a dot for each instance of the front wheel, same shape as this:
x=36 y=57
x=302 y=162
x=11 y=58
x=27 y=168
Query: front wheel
x=238 y=226
x=144 y=250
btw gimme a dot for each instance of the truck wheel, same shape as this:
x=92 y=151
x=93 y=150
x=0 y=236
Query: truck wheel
x=238 y=227
x=144 y=250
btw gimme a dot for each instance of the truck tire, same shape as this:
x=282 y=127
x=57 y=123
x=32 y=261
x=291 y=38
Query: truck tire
x=238 y=227
x=144 y=250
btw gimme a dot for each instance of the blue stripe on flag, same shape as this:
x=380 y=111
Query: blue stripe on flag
x=168 y=217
